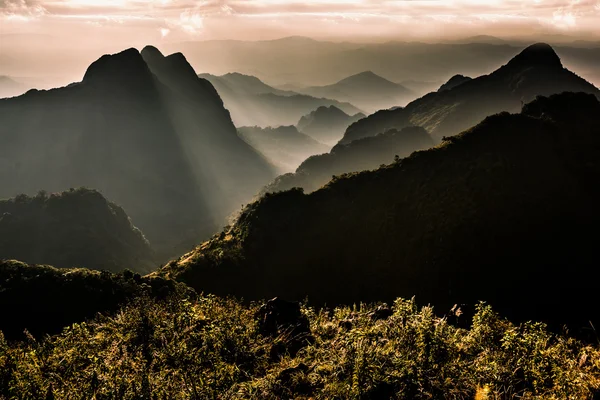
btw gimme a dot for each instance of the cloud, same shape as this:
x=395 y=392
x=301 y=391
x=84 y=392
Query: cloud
x=252 y=19
x=24 y=10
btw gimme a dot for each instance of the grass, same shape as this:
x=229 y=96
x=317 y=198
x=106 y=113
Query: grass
x=210 y=348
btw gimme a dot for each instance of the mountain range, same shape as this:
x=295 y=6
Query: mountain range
x=77 y=228
x=366 y=90
x=254 y=103
x=284 y=146
x=144 y=130
x=360 y=155
x=316 y=63
x=537 y=70
x=327 y=124
x=495 y=213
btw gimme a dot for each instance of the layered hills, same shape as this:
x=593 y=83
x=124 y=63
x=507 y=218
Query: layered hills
x=504 y=212
x=327 y=124
x=254 y=103
x=77 y=228
x=367 y=90
x=145 y=131
x=359 y=155
x=537 y=70
x=284 y=146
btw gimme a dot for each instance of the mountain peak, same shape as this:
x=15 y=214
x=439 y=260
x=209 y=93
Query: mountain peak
x=151 y=53
x=366 y=75
x=175 y=64
x=127 y=67
x=453 y=82
x=539 y=54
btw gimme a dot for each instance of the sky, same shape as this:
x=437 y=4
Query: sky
x=124 y=22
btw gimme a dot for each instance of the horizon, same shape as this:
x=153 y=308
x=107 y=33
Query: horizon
x=127 y=21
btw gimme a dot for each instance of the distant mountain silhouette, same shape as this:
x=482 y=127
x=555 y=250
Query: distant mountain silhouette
x=504 y=212
x=254 y=103
x=77 y=228
x=145 y=131
x=10 y=88
x=454 y=82
x=327 y=124
x=366 y=90
x=363 y=154
x=537 y=70
x=284 y=146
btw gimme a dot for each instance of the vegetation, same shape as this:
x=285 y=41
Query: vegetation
x=76 y=228
x=214 y=348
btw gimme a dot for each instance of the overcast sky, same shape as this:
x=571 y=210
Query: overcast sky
x=133 y=21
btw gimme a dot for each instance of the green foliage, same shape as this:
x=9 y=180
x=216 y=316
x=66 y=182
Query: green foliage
x=210 y=348
x=76 y=228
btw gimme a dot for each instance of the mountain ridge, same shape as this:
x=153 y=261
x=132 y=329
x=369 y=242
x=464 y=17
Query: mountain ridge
x=537 y=70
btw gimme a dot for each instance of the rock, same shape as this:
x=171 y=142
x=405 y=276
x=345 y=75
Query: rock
x=284 y=320
x=345 y=324
x=381 y=313
x=279 y=316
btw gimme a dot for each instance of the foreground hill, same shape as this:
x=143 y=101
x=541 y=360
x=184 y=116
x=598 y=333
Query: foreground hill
x=254 y=103
x=366 y=90
x=360 y=155
x=214 y=348
x=145 y=131
x=535 y=71
x=284 y=146
x=502 y=212
x=78 y=228
x=43 y=299
x=327 y=124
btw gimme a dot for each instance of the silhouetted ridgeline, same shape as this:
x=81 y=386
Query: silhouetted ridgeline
x=327 y=124
x=359 y=155
x=503 y=212
x=535 y=71
x=145 y=131
x=453 y=82
x=77 y=228
x=44 y=299
x=283 y=146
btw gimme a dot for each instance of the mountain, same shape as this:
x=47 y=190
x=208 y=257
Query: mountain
x=359 y=155
x=145 y=131
x=283 y=146
x=78 y=228
x=254 y=103
x=366 y=90
x=327 y=124
x=505 y=211
x=537 y=70
x=454 y=82
x=9 y=87
x=44 y=299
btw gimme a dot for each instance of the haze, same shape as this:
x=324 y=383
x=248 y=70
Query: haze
x=50 y=42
